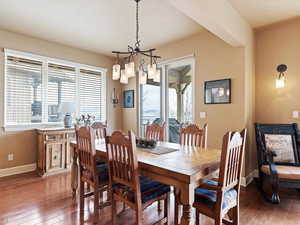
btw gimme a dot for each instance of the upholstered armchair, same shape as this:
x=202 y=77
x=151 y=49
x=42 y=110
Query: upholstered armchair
x=278 y=152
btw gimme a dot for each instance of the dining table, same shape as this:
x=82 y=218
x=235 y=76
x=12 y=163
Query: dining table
x=183 y=167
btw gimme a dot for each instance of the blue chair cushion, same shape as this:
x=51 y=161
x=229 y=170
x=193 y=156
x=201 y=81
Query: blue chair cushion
x=209 y=197
x=102 y=170
x=149 y=190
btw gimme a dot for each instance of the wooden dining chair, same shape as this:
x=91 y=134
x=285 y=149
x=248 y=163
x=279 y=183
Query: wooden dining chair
x=218 y=197
x=99 y=131
x=138 y=192
x=91 y=173
x=194 y=136
x=156 y=132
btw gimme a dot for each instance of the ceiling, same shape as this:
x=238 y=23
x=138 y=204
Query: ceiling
x=264 y=12
x=96 y=25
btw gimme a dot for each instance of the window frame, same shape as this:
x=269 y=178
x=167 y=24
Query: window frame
x=45 y=61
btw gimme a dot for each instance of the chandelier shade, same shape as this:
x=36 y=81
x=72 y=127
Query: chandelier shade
x=116 y=72
x=128 y=59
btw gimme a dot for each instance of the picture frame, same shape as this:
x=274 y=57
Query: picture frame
x=217 y=91
x=128 y=99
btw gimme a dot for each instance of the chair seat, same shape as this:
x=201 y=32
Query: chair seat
x=149 y=190
x=285 y=172
x=209 y=197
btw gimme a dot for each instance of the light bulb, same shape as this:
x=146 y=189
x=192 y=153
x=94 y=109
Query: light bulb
x=129 y=69
x=280 y=83
x=116 y=72
x=124 y=78
x=143 y=77
x=151 y=71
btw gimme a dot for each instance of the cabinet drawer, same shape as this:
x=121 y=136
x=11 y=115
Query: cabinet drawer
x=54 y=137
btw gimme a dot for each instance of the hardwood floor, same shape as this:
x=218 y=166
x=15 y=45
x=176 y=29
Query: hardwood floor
x=28 y=199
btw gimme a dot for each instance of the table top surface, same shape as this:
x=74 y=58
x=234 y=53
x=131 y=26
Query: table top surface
x=186 y=161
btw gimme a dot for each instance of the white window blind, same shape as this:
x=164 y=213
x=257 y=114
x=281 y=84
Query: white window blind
x=36 y=87
x=23 y=91
x=91 y=96
x=61 y=88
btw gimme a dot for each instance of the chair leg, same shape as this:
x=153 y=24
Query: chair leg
x=159 y=206
x=167 y=208
x=113 y=211
x=218 y=220
x=197 y=217
x=96 y=205
x=139 y=216
x=275 y=191
x=236 y=215
x=81 y=202
x=177 y=207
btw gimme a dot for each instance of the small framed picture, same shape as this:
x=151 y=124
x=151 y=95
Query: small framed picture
x=217 y=91
x=128 y=99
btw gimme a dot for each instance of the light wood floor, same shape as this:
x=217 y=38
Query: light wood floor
x=29 y=199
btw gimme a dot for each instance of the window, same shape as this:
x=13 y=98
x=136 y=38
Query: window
x=36 y=86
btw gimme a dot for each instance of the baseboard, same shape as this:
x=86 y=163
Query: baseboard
x=17 y=170
x=248 y=179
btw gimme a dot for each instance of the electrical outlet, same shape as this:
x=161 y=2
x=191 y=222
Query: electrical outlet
x=295 y=115
x=202 y=115
x=10 y=157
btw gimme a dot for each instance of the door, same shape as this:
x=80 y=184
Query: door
x=171 y=100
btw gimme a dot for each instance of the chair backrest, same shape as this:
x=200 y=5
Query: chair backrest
x=232 y=159
x=291 y=130
x=86 y=149
x=194 y=136
x=156 y=132
x=99 y=130
x=122 y=160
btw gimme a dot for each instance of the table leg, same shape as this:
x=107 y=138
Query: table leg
x=74 y=172
x=187 y=199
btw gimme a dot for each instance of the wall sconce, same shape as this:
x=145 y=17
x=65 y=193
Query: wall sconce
x=115 y=98
x=281 y=79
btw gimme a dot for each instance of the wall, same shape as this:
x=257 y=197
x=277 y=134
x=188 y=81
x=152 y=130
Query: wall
x=214 y=60
x=23 y=144
x=278 y=44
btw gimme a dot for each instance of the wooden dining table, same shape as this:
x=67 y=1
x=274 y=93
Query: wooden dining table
x=183 y=169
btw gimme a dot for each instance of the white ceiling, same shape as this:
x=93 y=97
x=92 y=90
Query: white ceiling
x=96 y=25
x=264 y=12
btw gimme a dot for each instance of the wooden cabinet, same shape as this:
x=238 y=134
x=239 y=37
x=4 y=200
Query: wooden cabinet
x=54 y=155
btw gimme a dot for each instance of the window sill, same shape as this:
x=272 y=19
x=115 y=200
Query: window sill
x=29 y=127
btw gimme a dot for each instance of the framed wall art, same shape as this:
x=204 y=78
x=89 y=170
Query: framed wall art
x=217 y=91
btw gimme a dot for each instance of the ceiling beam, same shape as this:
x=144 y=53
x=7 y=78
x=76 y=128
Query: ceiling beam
x=219 y=17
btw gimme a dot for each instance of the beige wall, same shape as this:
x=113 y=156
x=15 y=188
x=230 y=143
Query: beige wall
x=23 y=144
x=214 y=60
x=276 y=45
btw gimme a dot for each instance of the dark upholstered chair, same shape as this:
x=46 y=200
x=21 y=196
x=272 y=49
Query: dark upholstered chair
x=278 y=151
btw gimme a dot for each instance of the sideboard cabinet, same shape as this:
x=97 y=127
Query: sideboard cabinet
x=54 y=155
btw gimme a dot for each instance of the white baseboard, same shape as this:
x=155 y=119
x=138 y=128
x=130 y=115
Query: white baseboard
x=17 y=170
x=248 y=179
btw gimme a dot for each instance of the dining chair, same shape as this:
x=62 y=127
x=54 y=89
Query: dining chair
x=99 y=131
x=91 y=173
x=194 y=136
x=218 y=197
x=155 y=132
x=138 y=192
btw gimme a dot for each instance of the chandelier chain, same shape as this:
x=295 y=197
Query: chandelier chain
x=137 y=44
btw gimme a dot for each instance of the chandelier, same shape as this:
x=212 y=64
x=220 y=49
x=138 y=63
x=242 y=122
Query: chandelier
x=150 y=72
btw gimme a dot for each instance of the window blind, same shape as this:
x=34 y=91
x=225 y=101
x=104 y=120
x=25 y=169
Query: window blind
x=23 y=93
x=36 y=87
x=61 y=88
x=90 y=94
